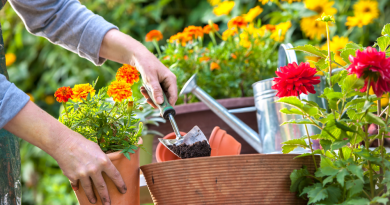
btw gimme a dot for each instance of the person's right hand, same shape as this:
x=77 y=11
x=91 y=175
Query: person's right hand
x=83 y=161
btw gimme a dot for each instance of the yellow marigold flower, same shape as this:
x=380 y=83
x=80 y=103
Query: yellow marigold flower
x=153 y=35
x=10 y=59
x=359 y=20
x=312 y=28
x=82 y=91
x=252 y=14
x=366 y=7
x=214 y=2
x=195 y=31
x=127 y=73
x=321 y=6
x=255 y=32
x=31 y=97
x=224 y=8
x=289 y=1
x=119 y=90
x=280 y=31
x=229 y=32
x=214 y=66
x=237 y=22
x=49 y=100
x=244 y=40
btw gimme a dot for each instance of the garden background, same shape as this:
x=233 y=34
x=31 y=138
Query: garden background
x=39 y=67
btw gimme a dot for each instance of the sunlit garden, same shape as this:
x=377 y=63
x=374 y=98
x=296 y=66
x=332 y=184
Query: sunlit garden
x=305 y=82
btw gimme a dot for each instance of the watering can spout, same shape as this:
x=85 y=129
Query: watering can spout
x=236 y=124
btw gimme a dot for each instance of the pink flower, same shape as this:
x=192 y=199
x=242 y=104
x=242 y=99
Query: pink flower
x=371 y=64
x=293 y=80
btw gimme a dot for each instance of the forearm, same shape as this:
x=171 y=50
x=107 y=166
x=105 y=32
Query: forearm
x=40 y=129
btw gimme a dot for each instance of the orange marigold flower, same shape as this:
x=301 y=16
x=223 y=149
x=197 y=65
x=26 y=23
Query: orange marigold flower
x=153 y=35
x=204 y=59
x=63 y=94
x=270 y=27
x=207 y=29
x=180 y=37
x=195 y=31
x=185 y=57
x=10 y=58
x=238 y=21
x=233 y=56
x=214 y=66
x=127 y=73
x=82 y=91
x=229 y=32
x=119 y=90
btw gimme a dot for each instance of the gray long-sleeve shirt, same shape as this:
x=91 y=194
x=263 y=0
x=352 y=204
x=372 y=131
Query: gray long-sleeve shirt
x=63 y=22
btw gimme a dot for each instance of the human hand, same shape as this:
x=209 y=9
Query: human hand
x=83 y=161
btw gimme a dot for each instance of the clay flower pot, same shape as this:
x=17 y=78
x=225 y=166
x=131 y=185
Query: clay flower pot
x=129 y=170
x=221 y=143
x=240 y=179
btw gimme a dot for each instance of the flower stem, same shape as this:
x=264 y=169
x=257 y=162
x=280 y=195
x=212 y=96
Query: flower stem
x=329 y=56
x=367 y=145
x=311 y=148
x=157 y=47
x=212 y=36
x=66 y=110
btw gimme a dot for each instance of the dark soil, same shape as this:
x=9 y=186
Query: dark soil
x=198 y=149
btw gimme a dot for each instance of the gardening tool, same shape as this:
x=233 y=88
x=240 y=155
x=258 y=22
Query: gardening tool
x=167 y=112
x=269 y=117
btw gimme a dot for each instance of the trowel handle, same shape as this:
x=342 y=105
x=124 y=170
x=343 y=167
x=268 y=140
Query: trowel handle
x=165 y=108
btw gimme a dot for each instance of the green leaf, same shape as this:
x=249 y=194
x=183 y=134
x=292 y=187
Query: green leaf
x=311 y=50
x=140 y=128
x=298 y=121
x=335 y=193
x=383 y=42
x=328 y=180
x=293 y=101
x=354 y=187
x=354 y=45
x=366 y=106
x=127 y=155
x=297 y=176
x=386 y=30
x=346 y=152
x=325 y=144
x=343 y=127
x=341 y=175
x=316 y=193
x=290 y=145
x=386 y=179
x=338 y=144
x=358 y=201
x=355 y=101
x=356 y=170
x=327 y=166
x=375 y=119
x=292 y=111
x=317 y=151
x=345 y=53
x=380 y=200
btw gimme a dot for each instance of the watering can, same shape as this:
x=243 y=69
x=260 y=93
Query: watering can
x=271 y=134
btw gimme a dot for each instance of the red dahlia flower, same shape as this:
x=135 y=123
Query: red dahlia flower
x=371 y=64
x=293 y=80
x=63 y=94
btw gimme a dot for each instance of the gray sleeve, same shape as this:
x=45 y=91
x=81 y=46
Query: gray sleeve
x=12 y=100
x=66 y=23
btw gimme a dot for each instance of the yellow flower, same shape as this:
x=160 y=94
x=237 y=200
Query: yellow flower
x=127 y=73
x=366 y=7
x=252 y=14
x=321 y=6
x=119 y=90
x=82 y=91
x=10 y=58
x=336 y=44
x=214 y=66
x=312 y=28
x=280 y=31
x=384 y=99
x=255 y=32
x=289 y=1
x=49 y=100
x=359 y=20
x=244 y=40
x=229 y=32
x=214 y=2
x=224 y=8
x=31 y=97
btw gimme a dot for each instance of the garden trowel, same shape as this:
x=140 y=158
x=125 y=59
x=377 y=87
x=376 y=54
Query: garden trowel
x=193 y=144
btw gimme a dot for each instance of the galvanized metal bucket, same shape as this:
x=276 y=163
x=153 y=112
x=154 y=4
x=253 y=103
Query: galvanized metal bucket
x=270 y=118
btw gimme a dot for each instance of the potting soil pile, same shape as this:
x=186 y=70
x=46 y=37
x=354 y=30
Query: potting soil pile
x=198 y=149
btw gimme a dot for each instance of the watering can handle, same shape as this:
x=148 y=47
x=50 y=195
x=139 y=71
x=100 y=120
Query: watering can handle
x=165 y=108
x=283 y=53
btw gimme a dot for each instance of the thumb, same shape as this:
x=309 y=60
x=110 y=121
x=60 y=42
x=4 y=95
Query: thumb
x=157 y=92
x=75 y=185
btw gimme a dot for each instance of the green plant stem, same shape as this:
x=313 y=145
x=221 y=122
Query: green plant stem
x=155 y=43
x=380 y=141
x=311 y=148
x=383 y=111
x=66 y=110
x=329 y=56
x=367 y=195
x=115 y=105
x=219 y=35
x=212 y=36
x=367 y=145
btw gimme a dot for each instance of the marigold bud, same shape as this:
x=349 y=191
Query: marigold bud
x=140 y=108
x=130 y=106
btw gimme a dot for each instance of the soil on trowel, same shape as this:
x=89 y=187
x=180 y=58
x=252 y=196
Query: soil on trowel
x=198 y=149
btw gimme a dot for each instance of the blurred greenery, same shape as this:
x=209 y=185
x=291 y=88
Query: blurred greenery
x=42 y=67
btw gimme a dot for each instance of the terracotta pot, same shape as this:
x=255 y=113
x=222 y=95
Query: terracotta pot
x=189 y=115
x=221 y=143
x=241 y=179
x=129 y=170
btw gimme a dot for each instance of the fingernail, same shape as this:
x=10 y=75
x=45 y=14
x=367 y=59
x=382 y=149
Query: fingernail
x=93 y=201
x=75 y=188
x=159 y=100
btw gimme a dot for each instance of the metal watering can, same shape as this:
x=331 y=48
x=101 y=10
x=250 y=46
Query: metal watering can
x=271 y=134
